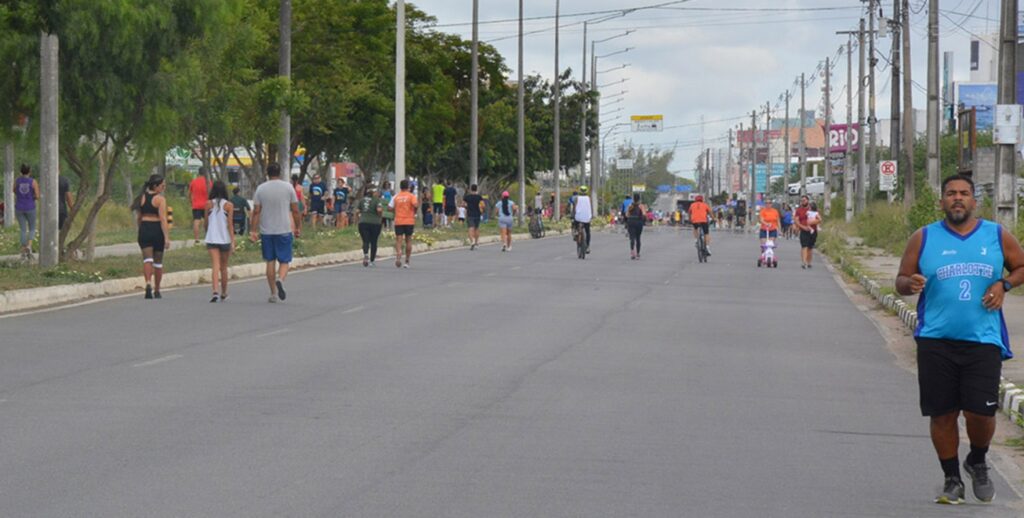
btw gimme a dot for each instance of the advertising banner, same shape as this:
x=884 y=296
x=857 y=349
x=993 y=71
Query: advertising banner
x=982 y=97
x=837 y=138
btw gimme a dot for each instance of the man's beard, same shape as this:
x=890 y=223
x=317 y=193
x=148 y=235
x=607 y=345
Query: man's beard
x=954 y=219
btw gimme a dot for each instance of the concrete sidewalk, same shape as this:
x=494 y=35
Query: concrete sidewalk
x=882 y=267
x=118 y=250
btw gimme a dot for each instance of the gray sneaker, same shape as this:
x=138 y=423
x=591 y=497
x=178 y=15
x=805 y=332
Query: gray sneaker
x=952 y=492
x=981 y=484
x=272 y=299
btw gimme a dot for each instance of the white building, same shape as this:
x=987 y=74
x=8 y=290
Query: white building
x=985 y=59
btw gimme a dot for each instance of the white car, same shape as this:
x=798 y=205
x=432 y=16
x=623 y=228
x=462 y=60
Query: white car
x=815 y=185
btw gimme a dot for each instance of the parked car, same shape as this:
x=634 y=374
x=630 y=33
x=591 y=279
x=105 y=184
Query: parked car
x=815 y=185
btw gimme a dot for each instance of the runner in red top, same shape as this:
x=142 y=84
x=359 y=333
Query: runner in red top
x=700 y=215
x=198 y=195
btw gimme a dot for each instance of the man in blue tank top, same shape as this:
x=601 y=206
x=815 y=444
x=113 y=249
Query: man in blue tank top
x=956 y=267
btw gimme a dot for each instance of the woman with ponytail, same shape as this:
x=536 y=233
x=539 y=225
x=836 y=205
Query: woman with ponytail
x=220 y=240
x=635 y=214
x=154 y=234
x=506 y=211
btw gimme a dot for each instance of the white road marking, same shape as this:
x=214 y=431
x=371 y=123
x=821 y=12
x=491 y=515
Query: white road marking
x=666 y=283
x=162 y=359
x=353 y=310
x=514 y=268
x=492 y=274
x=558 y=258
x=272 y=333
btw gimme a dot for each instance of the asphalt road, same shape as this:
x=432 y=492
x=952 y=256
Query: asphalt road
x=475 y=384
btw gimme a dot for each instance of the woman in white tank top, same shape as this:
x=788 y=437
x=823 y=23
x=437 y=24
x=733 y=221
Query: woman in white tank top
x=220 y=240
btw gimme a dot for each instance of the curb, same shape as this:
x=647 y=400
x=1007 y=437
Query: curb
x=14 y=301
x=1011 y=398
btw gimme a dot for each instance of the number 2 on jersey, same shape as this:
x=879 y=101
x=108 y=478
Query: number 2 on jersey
x=965 y=290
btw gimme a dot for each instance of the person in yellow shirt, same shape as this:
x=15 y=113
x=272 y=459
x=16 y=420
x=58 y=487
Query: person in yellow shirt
x=700 y=216
x=770 y=219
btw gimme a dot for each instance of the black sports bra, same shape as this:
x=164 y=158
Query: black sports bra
x=147 y=208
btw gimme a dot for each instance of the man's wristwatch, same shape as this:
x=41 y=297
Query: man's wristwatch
x=1007 y=286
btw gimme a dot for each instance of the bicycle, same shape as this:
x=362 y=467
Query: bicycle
x=580 y=236
x=702 y=246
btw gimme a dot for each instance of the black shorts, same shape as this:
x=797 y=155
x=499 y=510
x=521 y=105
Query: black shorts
x=808 y=239
x=404 y=230
x=449 y=209
x=318 y=207
x=223 y=247
x=472 y=222
x=701 y=225
x=198 y=214
x=151 y=235
x=955 y=375
x=438 y=208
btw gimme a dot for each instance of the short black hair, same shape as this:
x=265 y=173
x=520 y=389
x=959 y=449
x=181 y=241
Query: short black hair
x=274 y=171
x=404 y=184
x=473 y=188
x=955 y=177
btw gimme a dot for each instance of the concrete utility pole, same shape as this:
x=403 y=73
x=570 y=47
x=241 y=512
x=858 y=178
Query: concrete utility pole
x=861 y=126
x=596 y=150
x=894 y=107
x=803 y=142
x=848 y=167
x=908 y=111
x=400 y=92
x=49 y=146
x=521 y=131
x=474 y=99
x=284 y=69
x=707 y=169
x=728 y=166
x=583 y=116
x=934 y=116
x=556 y=100
x=872 y=175
x=753 y=158
x=789 y=149
x=9 y=185
x=739 y=158
x=828 y=131
x=768 y=141
x=1006 y=171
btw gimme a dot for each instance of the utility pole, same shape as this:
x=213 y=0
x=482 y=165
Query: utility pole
x=284 y=69
x=583 y=119
x=872 y=175
x=556 y=100
x=861 y=126
x=49 y=145
x=9 y=185
x=933 y=167
x=828 y=131
x=789 y=149
x=707 y=170
x=894 y=107
x=1006 y=172
x=400 y=92
x=768 y=141
x=474 y=99
x=908 y=111
x=521 y=133
x=728 y=166
x=739 y=158
x=752 y=186
x=848 y=167
x=596 y=150
x=803 y=142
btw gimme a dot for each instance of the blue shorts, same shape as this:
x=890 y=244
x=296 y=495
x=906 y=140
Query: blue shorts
x=277 y=247
x=769 y=233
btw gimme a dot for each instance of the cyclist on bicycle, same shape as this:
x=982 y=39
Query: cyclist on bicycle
x=770 y=218
x=583 y=212
x=700 y=215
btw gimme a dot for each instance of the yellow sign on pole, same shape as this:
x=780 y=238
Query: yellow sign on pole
x=648 y=122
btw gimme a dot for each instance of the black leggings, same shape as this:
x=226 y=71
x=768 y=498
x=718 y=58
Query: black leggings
x=635 y=229
x=585 y=227
x=370 y=234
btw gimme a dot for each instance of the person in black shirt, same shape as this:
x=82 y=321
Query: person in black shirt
x=317 y=191
x=63 y=200
x=239 y=218
x=473 y=201
x=341 y=192
x=449 y=203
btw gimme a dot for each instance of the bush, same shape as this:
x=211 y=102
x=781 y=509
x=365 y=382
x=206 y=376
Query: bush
x=925 y=210
x=884 y=225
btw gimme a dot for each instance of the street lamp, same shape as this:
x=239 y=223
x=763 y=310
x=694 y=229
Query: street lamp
x=585 y=106
x=595 y=165
x=613 y=83
x=613 y=69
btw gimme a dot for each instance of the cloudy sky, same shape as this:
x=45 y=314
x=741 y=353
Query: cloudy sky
x=718 y=59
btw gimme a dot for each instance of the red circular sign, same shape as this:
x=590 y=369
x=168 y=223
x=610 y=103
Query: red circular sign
x=888 y=168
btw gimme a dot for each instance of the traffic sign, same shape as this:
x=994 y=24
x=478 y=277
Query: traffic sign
x=648 y=122
x=887 y=175
x=639 y=187
x=624 y=164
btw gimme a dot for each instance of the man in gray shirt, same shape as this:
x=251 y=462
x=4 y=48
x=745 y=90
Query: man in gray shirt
x=275 y=216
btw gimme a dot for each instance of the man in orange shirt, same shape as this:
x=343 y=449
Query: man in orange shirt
x=770 y=219
x=404 y=204
x=198 y=194
x=699 y=214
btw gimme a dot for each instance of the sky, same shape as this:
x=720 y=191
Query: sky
x=716 y=59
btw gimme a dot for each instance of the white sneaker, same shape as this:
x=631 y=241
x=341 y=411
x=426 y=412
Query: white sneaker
x=272 y=299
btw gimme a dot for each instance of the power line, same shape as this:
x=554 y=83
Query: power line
x=621 y=12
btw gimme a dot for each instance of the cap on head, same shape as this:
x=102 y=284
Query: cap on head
x=504 y=194
x=699 y=198
x=584 y=189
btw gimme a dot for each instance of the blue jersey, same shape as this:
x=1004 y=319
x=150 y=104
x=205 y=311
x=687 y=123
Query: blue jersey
x=959 y=270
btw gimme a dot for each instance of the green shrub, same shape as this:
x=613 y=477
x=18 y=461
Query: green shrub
x=883 y=225
x=925 y=210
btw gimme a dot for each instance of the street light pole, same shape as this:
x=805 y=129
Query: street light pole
x=521 y=130
x=557 y=99
x=284 y=146
x=474 y=98
x=1006 y=172
x=400 y=91
x=932 y=137
x=49 y=137
x=583 y=117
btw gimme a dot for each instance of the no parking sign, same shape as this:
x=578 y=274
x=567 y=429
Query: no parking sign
x=887 y=175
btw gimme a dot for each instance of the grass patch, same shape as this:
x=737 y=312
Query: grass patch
x=14 y=275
